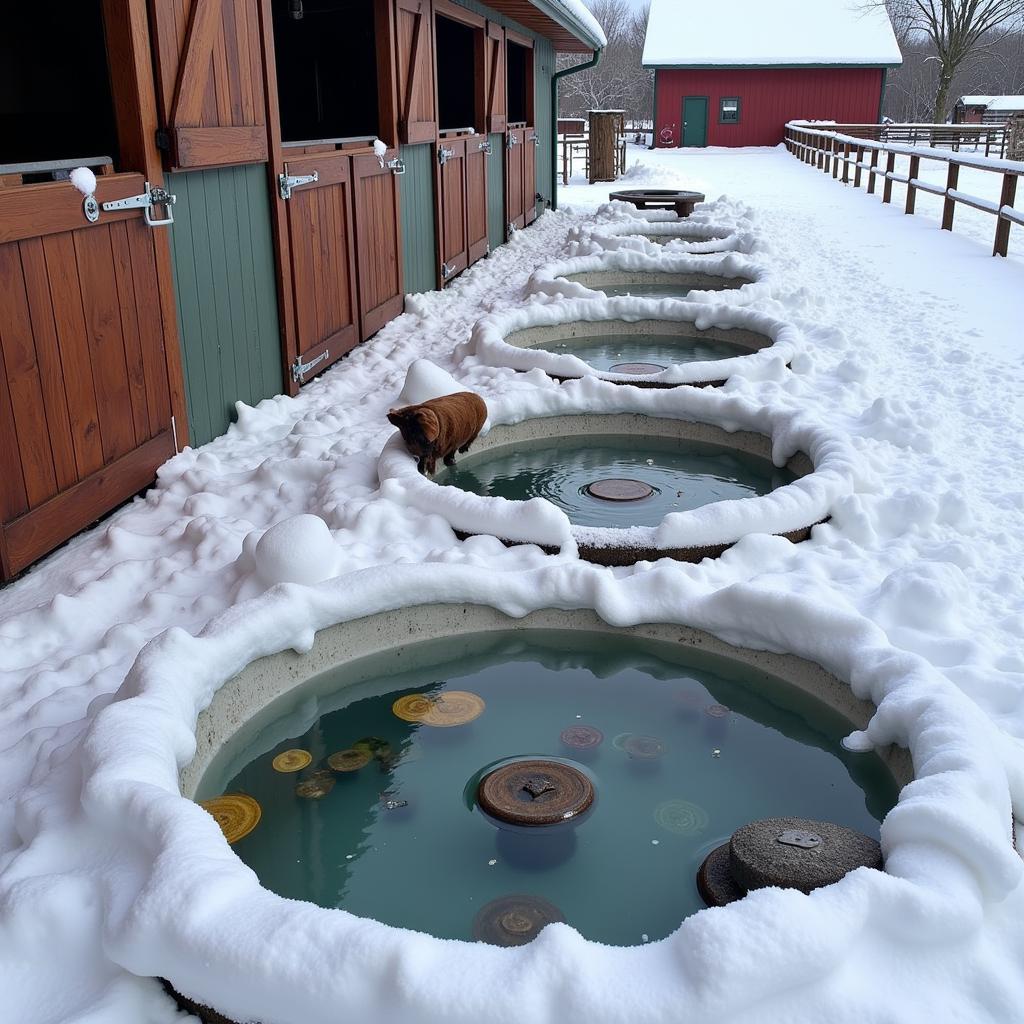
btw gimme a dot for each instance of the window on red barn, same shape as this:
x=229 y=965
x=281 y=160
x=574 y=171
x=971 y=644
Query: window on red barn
x=729 y=110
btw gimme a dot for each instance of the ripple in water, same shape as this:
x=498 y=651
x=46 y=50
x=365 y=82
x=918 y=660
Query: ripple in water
x=605 y=352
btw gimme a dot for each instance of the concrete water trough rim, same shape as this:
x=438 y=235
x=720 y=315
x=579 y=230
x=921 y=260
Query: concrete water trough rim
x=515 y=338
x=614 y=546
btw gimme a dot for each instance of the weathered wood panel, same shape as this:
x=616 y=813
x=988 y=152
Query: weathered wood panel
x=414 y=62
x=210 y=97
x=494 y=77
x=375 y=190
x=451 y=183
x=224 y=278
x=515 y=149
x=84 y=388
x=476 y=198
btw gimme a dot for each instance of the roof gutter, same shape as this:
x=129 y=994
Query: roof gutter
x=565 y=16
x=555 y=78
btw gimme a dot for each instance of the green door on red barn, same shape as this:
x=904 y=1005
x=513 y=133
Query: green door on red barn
x=695 y=121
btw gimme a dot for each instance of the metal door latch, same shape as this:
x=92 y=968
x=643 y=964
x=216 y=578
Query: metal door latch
x=444 y=154
x=510 y=229
x=512 y=141
x=286 y=182
x=396 y=166
x=485 y=147
x=150 y=198
x=532 y=138
x=447 y=269
x=300 y=369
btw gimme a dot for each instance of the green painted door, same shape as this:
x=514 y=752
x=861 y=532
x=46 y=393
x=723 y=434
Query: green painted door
x=695 y=121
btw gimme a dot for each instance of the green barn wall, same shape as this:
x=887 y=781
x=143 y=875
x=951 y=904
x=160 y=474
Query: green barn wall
x=496 y=191
x=543 y=70
x=417 y=203
x=225 y=285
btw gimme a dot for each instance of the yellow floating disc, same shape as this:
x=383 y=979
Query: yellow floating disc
x=236 y=814
x=316 y=787
x=413 y=707
x=349 y=760
x=291 y=760
x=455 y=707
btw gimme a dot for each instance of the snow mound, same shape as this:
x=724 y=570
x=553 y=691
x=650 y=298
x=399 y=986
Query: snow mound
x=426 y=380
x=297 y=550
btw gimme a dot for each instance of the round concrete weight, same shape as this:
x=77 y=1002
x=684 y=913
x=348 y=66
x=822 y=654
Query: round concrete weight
x=535 y=793
x=715 y=883
x=795 y=853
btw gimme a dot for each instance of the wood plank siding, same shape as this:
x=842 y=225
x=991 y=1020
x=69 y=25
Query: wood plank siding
x=224 y=283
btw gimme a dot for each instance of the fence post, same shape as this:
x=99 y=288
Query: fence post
x=835 y=158
x=846 y=163
x=949 y=206
x=1007 y=197
x=890 y=166
x=857 y=173
x=871 y=174
x=915 y=170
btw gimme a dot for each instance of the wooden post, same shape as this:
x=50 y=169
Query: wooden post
x=949 y=206
x=857 y=173
x=872 y=176
x=1007 y=197
x=846 y=163
x=890 y=166
x=834 y=157
x=604 y=144
x=915 y=170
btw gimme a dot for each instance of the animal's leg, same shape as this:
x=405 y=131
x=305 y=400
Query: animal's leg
x=465 y=447
x=449 y=459
x=421 y=464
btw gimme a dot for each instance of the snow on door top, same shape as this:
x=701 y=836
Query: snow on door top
x=756 y=33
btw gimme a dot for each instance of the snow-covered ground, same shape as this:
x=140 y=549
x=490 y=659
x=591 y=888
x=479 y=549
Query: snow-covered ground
x=913 y=593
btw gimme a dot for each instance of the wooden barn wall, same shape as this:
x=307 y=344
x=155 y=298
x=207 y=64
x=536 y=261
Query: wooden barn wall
x=770 y=97
x=225 y=285
x=418 y=240
x=496 y=193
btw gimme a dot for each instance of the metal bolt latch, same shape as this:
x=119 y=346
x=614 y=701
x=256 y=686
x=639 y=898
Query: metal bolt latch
x=444 y=154
x=286 y=182
x=300 y=369
x=485 y=147
x=396 y=166
x=447 y=269
x=153 y=196
x=800 y=839
x=512 y=140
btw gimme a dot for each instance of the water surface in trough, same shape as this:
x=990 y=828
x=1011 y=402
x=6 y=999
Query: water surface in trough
x=689 y=747
x=666 y=289
x=605 y=352
x=684 y=475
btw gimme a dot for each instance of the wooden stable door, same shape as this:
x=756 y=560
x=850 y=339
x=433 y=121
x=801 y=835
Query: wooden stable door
x=520 y=177
x=316 y=241
x=89 y=371
x=375 y=190
x=452 y=235
x=477 y=150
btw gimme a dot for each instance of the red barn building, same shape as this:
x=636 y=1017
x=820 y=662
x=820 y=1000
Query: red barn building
x=734 y=75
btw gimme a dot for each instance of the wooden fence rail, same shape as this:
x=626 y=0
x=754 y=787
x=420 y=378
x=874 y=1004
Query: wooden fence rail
x=837 y=151
x=992 y=137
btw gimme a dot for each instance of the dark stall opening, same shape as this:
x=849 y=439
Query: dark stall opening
x=326 y=55
x=519 y=63
x=55 y=98
x=458 y=100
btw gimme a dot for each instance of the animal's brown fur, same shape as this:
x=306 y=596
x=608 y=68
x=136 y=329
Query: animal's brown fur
x=437 y=429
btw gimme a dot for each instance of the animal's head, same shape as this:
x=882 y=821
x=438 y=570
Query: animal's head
x=419 y=427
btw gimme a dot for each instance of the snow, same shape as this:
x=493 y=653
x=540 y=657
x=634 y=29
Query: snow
x=84 y=180
x=912 y=593
x=578 y=13
x=1006 y=103
x=698 y=33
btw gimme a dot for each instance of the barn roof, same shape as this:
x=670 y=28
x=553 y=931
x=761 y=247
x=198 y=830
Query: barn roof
x=567 y=23
x=759 y=33
x=997 y=103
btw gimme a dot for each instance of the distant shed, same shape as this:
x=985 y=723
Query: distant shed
x=987 y=109
x=737 y=82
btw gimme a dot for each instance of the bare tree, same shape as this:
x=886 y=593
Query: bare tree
x=958 y=32
x=619 y=81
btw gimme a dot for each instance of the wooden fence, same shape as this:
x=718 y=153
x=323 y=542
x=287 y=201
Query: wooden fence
x=993 y=138
x=837 y=150
x=575 y=149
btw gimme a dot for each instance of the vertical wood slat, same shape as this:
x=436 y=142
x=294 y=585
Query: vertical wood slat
x=914 y=173
x=1006 y=198
x=494 y=72
x=890 y=167
x=130 y=331
x=13 y=499
x=73 y=339
x=23 y=383
x=949 y=205
x=37 y=288
x=529 y=176
x=414 y=62
x=872 y=174
x=106 y=342
x=476 y=198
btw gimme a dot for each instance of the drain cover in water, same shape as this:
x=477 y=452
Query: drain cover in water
x=640 y=369
x=317 y=786
x=615 y=489
x=454 y=707
x=643 y=748
x=798 y=854
x=535 y=793
x=582 y=737
x=349 y=760
x=291 y=760
x=514 y=920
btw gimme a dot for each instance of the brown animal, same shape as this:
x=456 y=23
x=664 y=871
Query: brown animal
x=440 y=427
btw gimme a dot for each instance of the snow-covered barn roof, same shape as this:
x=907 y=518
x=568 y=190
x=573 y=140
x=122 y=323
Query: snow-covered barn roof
x=997 y=103
x=759 y=33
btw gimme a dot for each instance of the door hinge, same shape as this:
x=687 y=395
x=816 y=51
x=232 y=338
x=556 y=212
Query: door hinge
x=510 y=229
x=485 y=147
x=153 y=196
x=444 y=154
x=447 y=269
x=286 y=182
x=300 y=369
x=396 y=166
x=163 y=139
